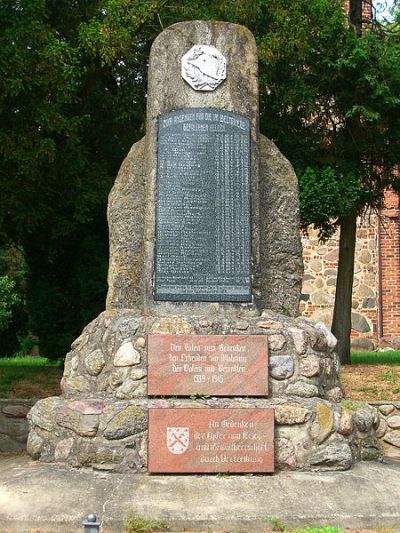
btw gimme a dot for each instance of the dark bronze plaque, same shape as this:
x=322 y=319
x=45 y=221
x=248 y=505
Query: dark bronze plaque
x=203 y=207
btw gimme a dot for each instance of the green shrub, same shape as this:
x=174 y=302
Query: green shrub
x=8 y=300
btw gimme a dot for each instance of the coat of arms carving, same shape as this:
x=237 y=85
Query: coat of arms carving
x=177 y=440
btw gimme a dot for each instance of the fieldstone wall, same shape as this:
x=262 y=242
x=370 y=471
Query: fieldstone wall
x=101 y=417
x=319 y=282
x=389 y=427
x=389 y=233
x=376 y=278
x=310 y=434
x=14 y=427
x=110 y=357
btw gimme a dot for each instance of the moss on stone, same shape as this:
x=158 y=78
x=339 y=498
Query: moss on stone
x=129 y=421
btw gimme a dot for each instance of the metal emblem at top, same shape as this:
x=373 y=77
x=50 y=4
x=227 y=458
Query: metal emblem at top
x=203 y=67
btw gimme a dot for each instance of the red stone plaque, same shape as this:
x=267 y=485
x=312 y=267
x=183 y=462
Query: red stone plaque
x=211 y=440
x=219 y=365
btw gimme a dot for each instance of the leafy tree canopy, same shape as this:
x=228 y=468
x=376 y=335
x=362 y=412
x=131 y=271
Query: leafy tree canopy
x=71 y=104
x=332 y=103
x=72 y=101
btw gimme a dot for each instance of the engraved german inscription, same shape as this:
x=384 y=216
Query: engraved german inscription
x=211 y=440
x=203 y=207
x=219 y=365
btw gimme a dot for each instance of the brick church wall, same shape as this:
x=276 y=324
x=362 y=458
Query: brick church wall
x=389 y=234
x=367 y=9
x=376 y=287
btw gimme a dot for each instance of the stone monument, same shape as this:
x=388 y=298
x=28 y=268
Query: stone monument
x=200 y=362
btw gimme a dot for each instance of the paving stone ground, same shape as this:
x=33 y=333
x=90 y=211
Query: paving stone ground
x=54 y=498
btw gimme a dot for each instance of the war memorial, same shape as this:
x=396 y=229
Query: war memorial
x=200 y=362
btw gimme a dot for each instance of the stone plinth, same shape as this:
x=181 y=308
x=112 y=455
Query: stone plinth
x=101 y=418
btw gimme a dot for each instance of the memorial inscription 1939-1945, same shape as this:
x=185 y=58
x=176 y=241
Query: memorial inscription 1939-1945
x=203 y=241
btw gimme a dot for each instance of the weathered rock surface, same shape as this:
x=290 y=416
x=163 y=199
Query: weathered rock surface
x=126 y=224
x=303 y=389
x=382 y=428
x=359 y=323
x=280 y=246
x=307 y=434
x=13 y=424
x=394 y=422
x=310 y=366
x=362 y=344
x=391 y=342
x=82 y=424
x=281 y=367
x=286 y=455
x=129 y=421
x=388 y=428
x=277 y=252
x=276 y=342
x=126 y=355
x=291 y=414
x=94 y=362
x=346 y=423
x=322 y=425
x=393 y=437
x=115 y=335
x=335 y=454
x=386 y=409
x=281 y=257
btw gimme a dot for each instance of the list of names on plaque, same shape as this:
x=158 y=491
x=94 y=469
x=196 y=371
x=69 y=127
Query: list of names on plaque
x=203 y=207
x=219 y=365
x=211 y=440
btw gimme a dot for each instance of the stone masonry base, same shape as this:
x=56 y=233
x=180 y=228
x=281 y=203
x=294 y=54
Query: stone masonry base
x=101 y=417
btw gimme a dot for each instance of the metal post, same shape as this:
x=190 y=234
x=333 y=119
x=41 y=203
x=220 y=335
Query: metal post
x=91 y=525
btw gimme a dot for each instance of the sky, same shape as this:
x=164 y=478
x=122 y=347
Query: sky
x=383 y=7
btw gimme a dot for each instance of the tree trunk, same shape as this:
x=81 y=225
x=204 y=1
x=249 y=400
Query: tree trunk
x=341 y=324
x=355 y=15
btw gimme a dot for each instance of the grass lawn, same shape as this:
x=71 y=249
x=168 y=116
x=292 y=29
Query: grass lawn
x=372 y=376
x=29 y=377
x=376 y=358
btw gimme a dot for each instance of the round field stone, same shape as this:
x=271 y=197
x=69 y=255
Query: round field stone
x=126 y=355
x=394 y=422
x=276 y=342
x=386 y=409
x=285 y=454
x=291 y=414
x=382 y=428
x=310 y=366
x=281 y=366
x=393 y=437
x=305 y=390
